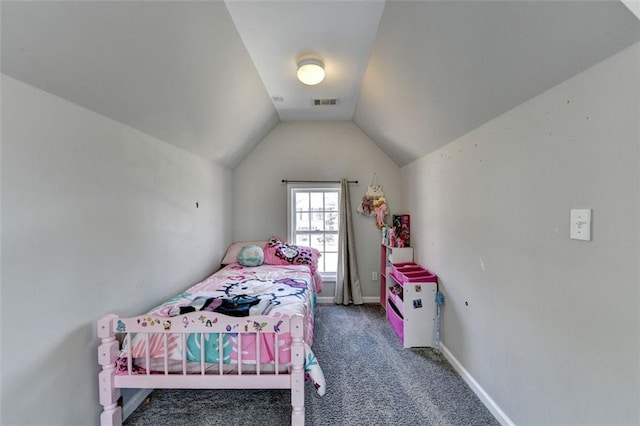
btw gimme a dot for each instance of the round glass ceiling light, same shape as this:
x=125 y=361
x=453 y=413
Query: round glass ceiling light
x=310 y=71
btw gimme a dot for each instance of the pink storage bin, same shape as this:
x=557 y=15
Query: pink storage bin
x=397 y=301
x=400 y=268
x=403 y=264
x=423 y=276
x=396 y=321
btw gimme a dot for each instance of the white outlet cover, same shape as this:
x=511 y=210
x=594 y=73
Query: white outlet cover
x=581 y=224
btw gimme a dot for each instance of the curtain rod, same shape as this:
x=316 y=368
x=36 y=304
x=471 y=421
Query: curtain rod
x=316 y=181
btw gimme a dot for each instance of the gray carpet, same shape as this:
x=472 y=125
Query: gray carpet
x=371 y=380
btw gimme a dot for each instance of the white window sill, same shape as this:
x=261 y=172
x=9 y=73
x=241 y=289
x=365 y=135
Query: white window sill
x=329 y=279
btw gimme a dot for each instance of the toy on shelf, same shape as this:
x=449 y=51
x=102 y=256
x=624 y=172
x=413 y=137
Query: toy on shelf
x=401 y=226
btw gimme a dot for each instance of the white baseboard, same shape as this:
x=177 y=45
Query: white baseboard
x=134 y=402
x=328 y=300
x=477 y=389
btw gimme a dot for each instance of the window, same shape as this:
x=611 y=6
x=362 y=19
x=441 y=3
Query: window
x=314 y=220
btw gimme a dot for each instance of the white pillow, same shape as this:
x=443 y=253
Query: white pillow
x=231 y=256
x=251 y=255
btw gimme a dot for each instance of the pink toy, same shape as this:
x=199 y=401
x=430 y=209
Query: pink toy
x=380 y=212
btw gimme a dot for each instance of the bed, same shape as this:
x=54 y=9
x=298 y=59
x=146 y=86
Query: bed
x=244 y=327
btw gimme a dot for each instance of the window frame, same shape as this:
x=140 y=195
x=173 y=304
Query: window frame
x=292 y=188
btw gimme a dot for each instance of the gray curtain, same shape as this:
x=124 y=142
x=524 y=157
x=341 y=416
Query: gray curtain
x=348 y=288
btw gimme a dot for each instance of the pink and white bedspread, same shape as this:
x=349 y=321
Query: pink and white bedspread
x=275 y=291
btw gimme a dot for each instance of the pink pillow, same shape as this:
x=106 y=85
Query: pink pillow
x=277 y=252
x=231 y=256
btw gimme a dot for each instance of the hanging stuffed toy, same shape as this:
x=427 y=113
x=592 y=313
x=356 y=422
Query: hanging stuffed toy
x=380 y=210
x=374 y=203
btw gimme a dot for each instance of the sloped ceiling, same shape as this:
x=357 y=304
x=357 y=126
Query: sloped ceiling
x=439 y=69
x=177 y=71
x=180 y=70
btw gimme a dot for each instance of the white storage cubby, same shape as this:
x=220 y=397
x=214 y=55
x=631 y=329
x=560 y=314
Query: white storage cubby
x=412 y=312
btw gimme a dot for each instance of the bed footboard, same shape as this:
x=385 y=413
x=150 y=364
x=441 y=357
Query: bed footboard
x=140 y=352
x=107 y=354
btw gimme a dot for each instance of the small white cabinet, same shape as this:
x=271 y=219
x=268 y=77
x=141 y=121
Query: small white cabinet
x=411 y=311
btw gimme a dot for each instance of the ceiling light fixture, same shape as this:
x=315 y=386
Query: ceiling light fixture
x=310 y=71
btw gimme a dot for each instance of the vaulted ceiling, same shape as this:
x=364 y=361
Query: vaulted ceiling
x=215 y=77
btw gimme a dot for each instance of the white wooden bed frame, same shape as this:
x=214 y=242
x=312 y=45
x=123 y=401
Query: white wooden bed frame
x=113 y=331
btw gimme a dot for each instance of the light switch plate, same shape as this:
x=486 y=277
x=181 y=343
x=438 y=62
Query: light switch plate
x=581 y=224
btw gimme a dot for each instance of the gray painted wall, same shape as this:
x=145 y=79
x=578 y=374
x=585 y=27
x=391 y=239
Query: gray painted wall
x=551 y=326
x=97 y=218
x=313 y=151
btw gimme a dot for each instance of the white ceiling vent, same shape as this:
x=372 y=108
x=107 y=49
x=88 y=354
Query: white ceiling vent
x=321 y=102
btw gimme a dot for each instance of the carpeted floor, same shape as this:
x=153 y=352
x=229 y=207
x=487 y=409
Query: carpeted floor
x=371 y=380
